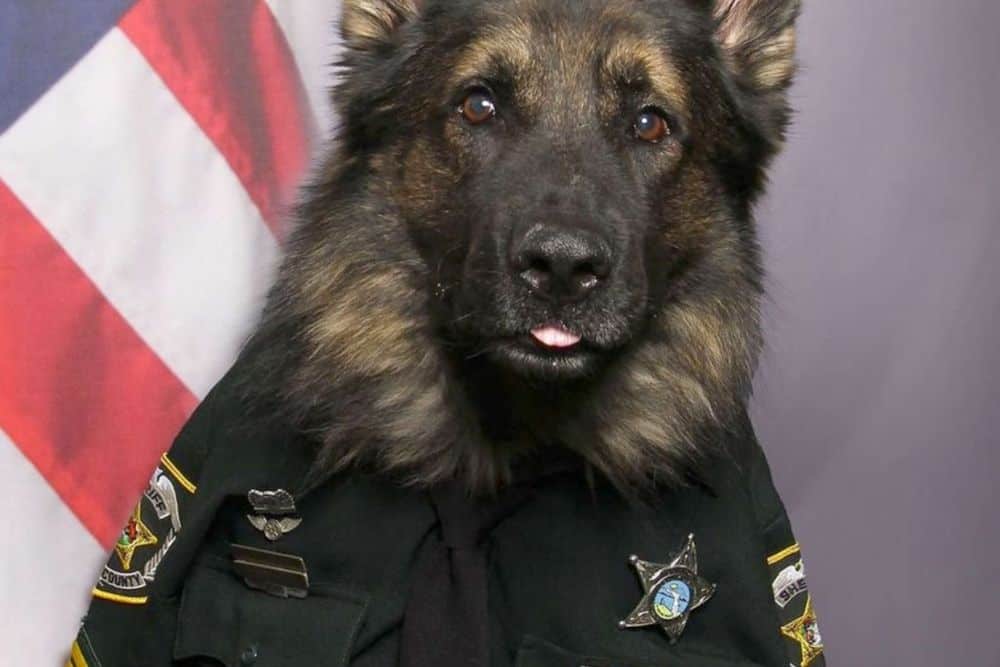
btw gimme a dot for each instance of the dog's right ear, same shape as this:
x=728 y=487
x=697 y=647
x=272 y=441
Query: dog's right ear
x=369 y=24
x=757 y=39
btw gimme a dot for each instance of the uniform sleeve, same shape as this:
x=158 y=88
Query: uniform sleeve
x=132 y=615
x=793 y=602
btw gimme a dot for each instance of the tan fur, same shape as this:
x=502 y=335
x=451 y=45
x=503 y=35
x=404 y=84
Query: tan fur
x=510 y=43
x=632 y=53
x=648 y=412
x=777 y=62
x=650 y=415
x=754 y=48
x=348 y=339
x=365 y=21
x=521 y=47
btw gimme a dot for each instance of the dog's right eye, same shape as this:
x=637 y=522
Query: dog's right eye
x=478 y=107
x=651 y=126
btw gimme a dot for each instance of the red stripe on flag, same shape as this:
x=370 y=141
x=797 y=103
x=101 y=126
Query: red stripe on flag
x=84 y=398
x=229 y=65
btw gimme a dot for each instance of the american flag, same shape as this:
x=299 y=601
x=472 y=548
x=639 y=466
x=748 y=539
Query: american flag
x=148 y=151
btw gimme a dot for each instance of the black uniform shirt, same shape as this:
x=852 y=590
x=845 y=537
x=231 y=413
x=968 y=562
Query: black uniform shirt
x=557 y=578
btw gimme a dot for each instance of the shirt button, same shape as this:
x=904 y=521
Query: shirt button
x=249 y=655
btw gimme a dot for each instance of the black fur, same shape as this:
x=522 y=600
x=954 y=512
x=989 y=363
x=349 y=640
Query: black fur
x=396 y=334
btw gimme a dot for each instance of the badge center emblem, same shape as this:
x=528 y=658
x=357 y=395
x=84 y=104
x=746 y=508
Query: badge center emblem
x=673 y=597
x=135 y=534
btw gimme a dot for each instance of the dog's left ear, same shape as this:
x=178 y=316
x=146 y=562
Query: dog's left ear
x=367 y=24
x=757 y=38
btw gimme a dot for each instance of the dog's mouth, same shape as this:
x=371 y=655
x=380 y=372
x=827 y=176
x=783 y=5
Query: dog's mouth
x=555 y=337
x=550 y=351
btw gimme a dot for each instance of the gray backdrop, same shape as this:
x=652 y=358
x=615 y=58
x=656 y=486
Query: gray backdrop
x=877 y=400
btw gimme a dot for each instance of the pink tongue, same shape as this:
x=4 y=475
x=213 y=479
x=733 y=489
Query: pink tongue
x=552 y=335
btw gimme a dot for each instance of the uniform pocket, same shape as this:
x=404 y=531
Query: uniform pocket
x=535 y=652
x=223 y=621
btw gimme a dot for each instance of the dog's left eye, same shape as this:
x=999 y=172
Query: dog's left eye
x=651 y=126
x=478 y=107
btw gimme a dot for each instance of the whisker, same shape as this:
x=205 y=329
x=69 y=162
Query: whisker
x=477 y=354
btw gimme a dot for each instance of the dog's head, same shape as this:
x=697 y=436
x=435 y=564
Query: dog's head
x=555 y=191
x=565 y=166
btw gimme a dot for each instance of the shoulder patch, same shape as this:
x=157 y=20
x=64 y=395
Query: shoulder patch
x=799 y=626
x=789 y=584
x=804 y=632
x=147 y=536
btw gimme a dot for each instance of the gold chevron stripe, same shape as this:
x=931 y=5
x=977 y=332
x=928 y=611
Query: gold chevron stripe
x=114 y=597
x=783 y=554
x=175 y=471
x=76 y=658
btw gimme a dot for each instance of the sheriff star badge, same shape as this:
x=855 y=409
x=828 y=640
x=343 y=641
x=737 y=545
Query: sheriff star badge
x=671 y=591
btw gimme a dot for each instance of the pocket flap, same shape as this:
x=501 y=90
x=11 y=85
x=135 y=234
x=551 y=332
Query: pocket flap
x=222 y=619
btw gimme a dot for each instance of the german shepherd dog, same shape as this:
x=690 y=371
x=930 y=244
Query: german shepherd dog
x=534 y=229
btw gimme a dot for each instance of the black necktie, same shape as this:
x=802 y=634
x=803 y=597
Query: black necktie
x=447 y=614
x=447 y=620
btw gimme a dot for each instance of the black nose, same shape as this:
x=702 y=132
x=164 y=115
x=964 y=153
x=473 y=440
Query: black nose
x=561 y=264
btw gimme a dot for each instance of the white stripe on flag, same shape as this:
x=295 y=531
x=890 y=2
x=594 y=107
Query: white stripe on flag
x=131 y=187
x=50 y=562
x=313 y=33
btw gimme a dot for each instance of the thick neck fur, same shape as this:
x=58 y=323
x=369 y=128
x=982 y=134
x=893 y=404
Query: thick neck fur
x=348 y=353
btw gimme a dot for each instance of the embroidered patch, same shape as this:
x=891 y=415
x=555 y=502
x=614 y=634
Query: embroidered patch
x=795 y=615
x=151 y=530
x=804 y=630
x=789 y=583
